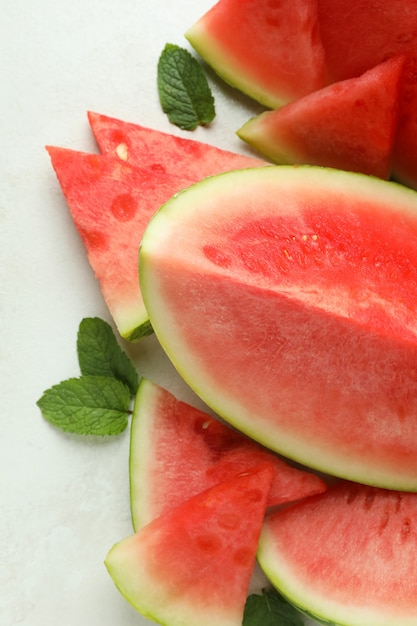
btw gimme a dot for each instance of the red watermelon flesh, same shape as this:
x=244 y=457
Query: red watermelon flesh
x=111 y=203
x=286 y=297
x=349 y=125
x=348 y=556
x=360 y=34
x=166 y=153
x=194 y=564
x=269 y=49
x=177 y=451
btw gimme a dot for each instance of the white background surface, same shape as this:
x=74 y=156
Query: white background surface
x=64 y=499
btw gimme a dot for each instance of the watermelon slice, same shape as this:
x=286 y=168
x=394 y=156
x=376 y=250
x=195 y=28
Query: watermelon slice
x=145 y=147
x=111 y=203
x=347 y=557
x=359 y=34
x=111 y=200
x=286 y=298
x=271 y=51
x=176 y=451
x=349 y=125
x=194 y=565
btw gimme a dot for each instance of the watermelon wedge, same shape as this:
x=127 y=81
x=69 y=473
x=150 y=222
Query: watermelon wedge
x=194 y=565
x=111 y=203
x=348 y=556
x=145 y=147
x=286 y=298
x=359 y=34
x=349 y=125
x=271 y=51
x=177 y=451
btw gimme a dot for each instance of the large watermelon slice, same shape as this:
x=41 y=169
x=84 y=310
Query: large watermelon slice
x=111 y=203
x=270 y=50
x=349 y=125
x=347 y=557
x=176 y=451
x=286 y=298
x=194 y=565
x=166 y=153
x=359 y=34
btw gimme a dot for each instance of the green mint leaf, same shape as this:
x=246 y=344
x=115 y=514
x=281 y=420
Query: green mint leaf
x=99 y=353
x=183 y=89
x=270 y=609
x=89 y=405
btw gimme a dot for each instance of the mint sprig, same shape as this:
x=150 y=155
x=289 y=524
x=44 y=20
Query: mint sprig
x=270 y=609
x=97 y=402
x=184 y=92
x=99 y=353
x=89 y=405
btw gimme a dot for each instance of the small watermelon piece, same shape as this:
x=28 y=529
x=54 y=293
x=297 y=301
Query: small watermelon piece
x=111 y=203
x=270 y=50
x=286 y=298
x=348 y=556
x=194 y=564
x=349 y=125
x=177 y=451
x=166 y=153
x=360 y=34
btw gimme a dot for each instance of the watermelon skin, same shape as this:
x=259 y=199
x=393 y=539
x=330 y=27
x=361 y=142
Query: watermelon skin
x=194 y=565
x=348 y=556
x=269 y=50
x=111 y=203
x=145 y=147
x=360 y=34
x=286 y=297
x=349 y=125
x=177 y=451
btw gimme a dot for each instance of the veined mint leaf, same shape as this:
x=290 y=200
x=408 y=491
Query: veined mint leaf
x=183 y=89
x=89 y=405
x=99 y=353
x=270 y=609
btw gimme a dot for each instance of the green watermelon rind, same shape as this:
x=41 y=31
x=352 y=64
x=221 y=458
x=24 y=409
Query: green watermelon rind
x=296 y=597
x=139 y=454
x=210 y=51
x=229 y=409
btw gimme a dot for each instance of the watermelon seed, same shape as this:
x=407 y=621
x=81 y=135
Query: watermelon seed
x=122 y=152
x=406 y=528
x=208 y=543
x=124 y=207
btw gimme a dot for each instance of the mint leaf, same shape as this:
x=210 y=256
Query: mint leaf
x=89 y=405
x=99 y=353
x=270 y=609
x=183 y=89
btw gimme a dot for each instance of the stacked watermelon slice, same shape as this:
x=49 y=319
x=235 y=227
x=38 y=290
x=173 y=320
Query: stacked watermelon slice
x=352 y=109
x=112 y=196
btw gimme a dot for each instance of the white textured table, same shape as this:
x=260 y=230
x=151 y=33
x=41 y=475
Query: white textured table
x=64 y=500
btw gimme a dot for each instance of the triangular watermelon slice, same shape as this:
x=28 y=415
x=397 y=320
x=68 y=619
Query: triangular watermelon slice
x=349 y=125
x=146 y=147
x=111 y=203
x=177 y=451
x=271 y=51
x=194 y=565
